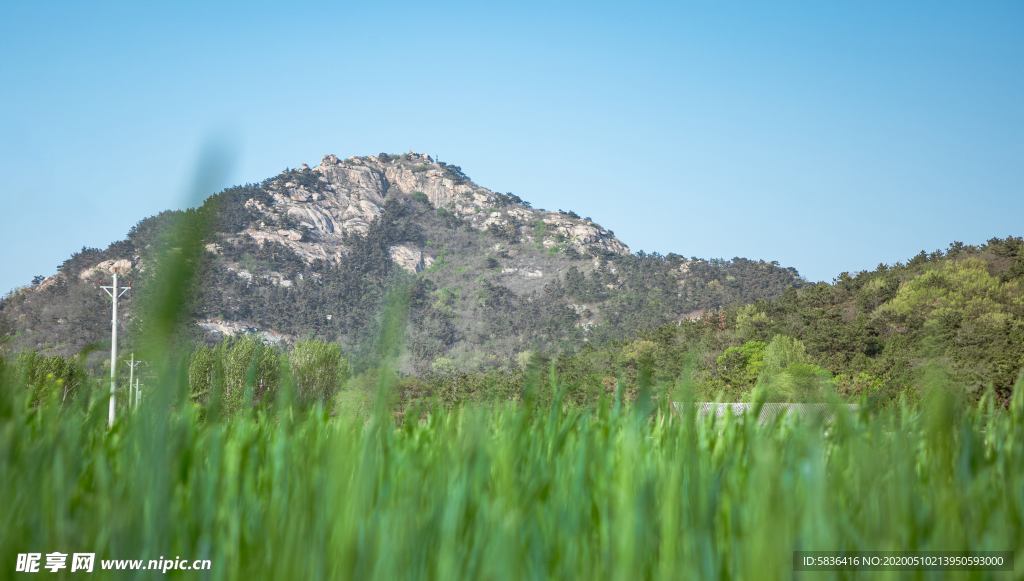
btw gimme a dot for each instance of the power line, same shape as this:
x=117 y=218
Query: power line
x=112 y=291
x=132 y=381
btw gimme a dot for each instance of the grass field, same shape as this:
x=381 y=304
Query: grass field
x=511 y=490
x=506 y=492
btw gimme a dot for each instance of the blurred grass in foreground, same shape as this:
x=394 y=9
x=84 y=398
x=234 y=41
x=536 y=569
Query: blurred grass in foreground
x=522 y=490
x=505 y=492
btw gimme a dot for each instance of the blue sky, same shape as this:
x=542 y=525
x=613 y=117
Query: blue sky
x=826 y=137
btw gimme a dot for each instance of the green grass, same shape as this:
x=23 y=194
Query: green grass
x=502 y=492
x=498 y=490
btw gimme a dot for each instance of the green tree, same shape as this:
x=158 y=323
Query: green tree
x=787 y=375
x=318 y=370
x=739 y=367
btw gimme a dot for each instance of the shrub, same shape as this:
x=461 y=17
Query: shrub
x=509 y=198
x=509 y=232
x=454 y=173
x=443 y=366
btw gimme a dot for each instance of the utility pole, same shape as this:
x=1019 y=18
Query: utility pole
x=131 y=380
x=114 y=294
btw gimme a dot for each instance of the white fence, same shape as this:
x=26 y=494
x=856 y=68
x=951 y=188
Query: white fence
x=815 y=412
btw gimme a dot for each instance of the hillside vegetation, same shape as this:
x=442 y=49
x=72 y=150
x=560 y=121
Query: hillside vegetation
x=877 y=338
x=958 y=312
x=494 y=290
x=310 y=253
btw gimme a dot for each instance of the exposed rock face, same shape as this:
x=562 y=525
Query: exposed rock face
x=271 y=277
x=583 y=232
x=121 y=267
x=344 y=196
x=220 y=329
x=409 y=258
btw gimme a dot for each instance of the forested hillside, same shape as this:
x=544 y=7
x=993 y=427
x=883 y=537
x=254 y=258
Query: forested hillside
x=310 y=253
x=954 y=317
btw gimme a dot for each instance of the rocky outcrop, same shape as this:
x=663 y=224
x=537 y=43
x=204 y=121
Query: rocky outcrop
x=344 y=196
x=121 y=267
x=409 y=258
x=221 y=329
x=582 y=233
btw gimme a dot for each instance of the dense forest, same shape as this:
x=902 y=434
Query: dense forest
x=953 y=316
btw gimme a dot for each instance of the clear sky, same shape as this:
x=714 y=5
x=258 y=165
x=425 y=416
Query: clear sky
x=827 y=136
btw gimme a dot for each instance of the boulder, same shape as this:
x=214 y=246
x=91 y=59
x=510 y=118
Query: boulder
x=408 y=258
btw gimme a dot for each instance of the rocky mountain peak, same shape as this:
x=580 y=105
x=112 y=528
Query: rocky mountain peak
x=312 y=208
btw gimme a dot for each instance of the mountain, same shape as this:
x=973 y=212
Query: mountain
x=311 y=252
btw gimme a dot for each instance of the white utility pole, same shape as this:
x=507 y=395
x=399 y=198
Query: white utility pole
x=131 y=380
x=114 y=294
x=137 y=394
